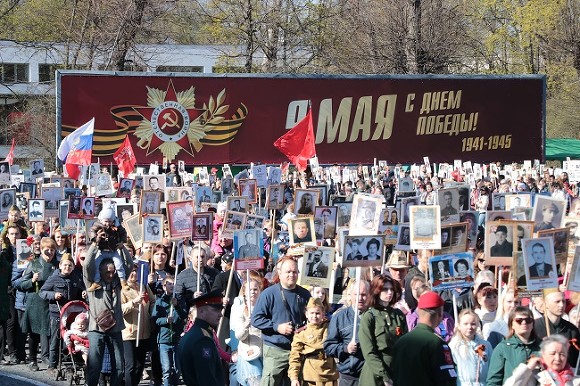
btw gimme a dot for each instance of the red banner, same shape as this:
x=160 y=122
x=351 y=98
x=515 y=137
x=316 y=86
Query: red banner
x=215 y=119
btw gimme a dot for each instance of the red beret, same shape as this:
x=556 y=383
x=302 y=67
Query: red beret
x=430 y=299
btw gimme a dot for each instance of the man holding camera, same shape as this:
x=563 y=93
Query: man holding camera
x=278 y=313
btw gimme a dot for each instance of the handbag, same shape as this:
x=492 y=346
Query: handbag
x=249 y=352
x=106 y=320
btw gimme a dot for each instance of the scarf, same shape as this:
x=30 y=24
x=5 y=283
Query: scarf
x=561 y=377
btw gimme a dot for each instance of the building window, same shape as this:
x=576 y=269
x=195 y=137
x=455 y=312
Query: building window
x=179 y=69
x=14 y=72
x=46 y=72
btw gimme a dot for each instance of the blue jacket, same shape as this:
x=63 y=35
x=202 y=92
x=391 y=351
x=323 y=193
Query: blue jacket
x=339 y=336
x=271 y=310
x=168 y=333
x=16 y=279
x=71 y=287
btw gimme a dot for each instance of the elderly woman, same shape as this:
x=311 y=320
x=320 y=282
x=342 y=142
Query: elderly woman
x=380 y=328
x=549 y=369
x=517 y=348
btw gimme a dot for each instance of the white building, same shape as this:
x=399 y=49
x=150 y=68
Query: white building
x=28 y=71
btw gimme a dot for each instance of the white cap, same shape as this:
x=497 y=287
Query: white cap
x=107 y=214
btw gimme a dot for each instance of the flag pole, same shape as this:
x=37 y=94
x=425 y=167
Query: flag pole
x=140 y=307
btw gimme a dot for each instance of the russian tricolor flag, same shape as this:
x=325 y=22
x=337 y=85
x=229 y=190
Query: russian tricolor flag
x=77 y=147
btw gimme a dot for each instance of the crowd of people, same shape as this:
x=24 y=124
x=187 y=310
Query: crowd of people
x=199 y=321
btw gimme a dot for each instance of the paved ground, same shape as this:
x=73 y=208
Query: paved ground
x=20 y=375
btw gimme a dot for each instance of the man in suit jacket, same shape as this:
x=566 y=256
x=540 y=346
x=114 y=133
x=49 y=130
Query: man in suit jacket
x=540 y=267
x=317 y=268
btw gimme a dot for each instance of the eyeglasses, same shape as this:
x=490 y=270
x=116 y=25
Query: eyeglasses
x=521 y=320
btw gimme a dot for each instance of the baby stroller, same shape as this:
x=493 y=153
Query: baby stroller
x=70 y=365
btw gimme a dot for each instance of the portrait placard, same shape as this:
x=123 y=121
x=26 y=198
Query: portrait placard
x=325 y=222
x=124 y=211
x=540 y=263
x=301 y=230
x=153 y=228
x=74 y=208
x=254 y=222
x=65 y=223
x=260 y=174
x=451 y=271
x=499 y=242
x=150 y=202
x=316 y=267
x=155 y=183
x=363 y=251
x=365 y=214
x=249 y=249
x=180 y=219
x=425 y=226
x=248 y=188
x=104 y=185
x=498 y=201
x=233 y=221
x=238 y=204
x=36 y=210
x=134 y=230
x=344 y=212
x=574 y=281
x=36 y=168
x=125 y=187
x=304 y=201
x=406 y=185
x=448 y=199
x=28 y=187
x=227 y=186
x=404 y=237
x=470 y=217
x=203 y=194
x=322 y=193
x=548 y=213
x=560 y=237
x=275 y=197
x=497 y=215
x=404 y=205
x=274 y=175
x=178 y=194
x=24 y=253
x=202 y=226
x=517 y=200
x=4 y=173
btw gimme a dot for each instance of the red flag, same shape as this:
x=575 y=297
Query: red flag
x=125 y=158
x=73 y=170
x=298 y=143
x=10 y=156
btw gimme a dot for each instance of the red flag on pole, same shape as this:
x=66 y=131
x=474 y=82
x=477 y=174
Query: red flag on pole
x=125 y=158
x=10 y=156
x=298 y=143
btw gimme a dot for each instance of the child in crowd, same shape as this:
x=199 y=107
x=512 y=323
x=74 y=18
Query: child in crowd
x=322 y=294
x=76 y=338
x=108 y=239
x=170 y=320
x=307 y=356
x=14 y=217
x=470 y=351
